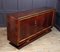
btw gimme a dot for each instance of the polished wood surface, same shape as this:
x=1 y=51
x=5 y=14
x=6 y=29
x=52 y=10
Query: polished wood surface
x=23 y=27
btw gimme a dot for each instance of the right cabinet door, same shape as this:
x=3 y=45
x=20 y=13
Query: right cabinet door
x=48 y=20
x=39 y=22
x=27 y=27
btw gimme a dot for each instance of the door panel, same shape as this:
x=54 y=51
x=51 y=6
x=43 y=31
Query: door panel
x=40 y=21
x=32 y=29
x=48 y=19
x=24 y=28
x=27 y=27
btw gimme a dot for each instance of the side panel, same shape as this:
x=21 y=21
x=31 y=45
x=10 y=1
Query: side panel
x=12 y=30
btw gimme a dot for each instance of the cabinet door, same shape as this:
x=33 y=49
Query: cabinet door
x=10 y=5
x=24 y=5
x=32 y=25
x=39 y=22
x=27 y=27
x=24 y=28
x=48 y=19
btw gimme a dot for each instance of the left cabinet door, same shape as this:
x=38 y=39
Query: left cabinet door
x=27 y=27
x=24 y=28
x=10 y=5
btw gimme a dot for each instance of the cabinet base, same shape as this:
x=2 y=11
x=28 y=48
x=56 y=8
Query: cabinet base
x=27 y=41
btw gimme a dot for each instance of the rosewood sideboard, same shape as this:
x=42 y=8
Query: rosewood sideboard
x=26 y=26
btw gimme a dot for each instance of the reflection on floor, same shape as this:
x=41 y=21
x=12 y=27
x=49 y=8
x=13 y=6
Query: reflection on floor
x=48 y=43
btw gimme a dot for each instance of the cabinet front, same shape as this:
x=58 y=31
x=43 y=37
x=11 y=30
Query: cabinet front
x=48 y=19
x=27 y=27
x=35 y=24
x=39 y=22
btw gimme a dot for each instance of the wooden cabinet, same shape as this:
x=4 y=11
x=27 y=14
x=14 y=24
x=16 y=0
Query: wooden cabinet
x=26 y=26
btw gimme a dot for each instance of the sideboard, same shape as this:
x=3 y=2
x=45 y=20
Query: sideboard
x=26 y=26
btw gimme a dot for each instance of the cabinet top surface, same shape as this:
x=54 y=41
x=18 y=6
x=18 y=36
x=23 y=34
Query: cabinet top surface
x=29 y=12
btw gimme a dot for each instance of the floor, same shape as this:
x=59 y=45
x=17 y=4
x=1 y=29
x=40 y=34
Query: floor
x=48 y=43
